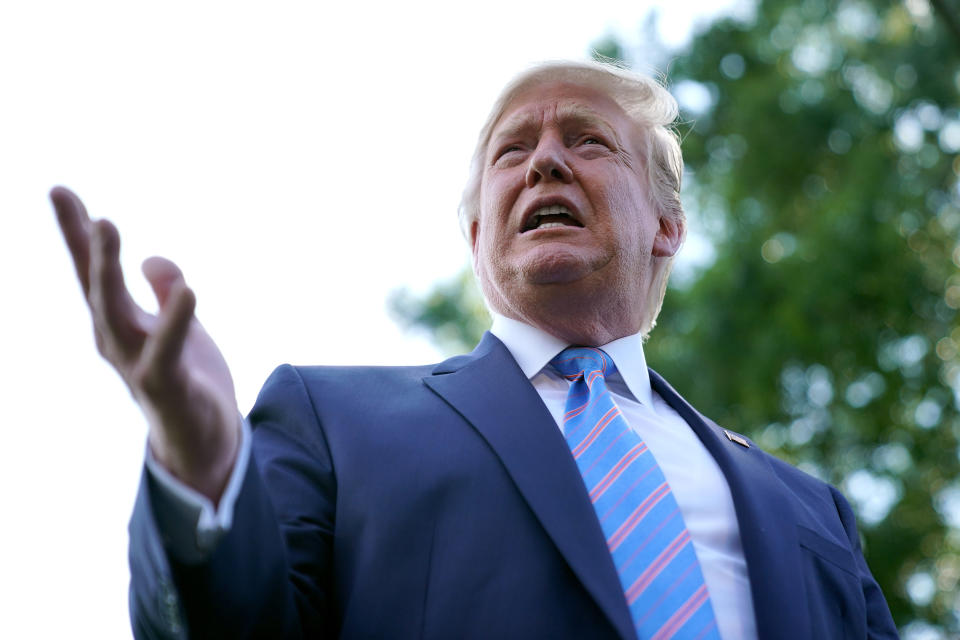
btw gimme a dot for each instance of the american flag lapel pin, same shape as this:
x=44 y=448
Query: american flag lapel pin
x=735 y=437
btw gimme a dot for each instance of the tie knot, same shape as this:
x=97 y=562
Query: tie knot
x=573 y=362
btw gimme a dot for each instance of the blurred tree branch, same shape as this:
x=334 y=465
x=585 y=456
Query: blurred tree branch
x=949 y=17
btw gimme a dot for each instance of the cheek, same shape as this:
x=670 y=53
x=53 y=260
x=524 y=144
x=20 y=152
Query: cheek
x=632 y=217
x=621 y=202
x=498 y=192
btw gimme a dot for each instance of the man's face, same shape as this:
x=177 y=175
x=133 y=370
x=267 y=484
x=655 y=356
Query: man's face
x=564 y=213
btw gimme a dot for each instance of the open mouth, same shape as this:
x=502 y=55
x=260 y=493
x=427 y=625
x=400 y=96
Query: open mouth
x=554 y=216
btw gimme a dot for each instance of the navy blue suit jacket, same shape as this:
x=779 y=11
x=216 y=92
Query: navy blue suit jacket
x=442 y=502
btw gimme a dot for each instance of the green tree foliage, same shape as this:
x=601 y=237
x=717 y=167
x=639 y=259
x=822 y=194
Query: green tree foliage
x=453 y=312
x=822 y=143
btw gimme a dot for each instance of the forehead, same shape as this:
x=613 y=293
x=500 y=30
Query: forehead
x=561 y=102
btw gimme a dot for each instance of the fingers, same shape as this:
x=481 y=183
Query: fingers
x=75 y=227
x=162 y=274
x=95 y=249
x=115 y=315
x=161 y=352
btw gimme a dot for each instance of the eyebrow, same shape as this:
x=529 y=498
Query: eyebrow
x=567 y=113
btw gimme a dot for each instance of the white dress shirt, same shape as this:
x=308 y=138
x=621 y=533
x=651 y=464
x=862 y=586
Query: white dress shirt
x=188 y=520
x=192 y=525
x=695 y=478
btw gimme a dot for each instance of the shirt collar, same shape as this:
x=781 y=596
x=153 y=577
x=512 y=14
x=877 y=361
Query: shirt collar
x=533 y=349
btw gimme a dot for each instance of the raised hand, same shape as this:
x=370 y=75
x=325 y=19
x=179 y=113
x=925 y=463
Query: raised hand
x=172 y=367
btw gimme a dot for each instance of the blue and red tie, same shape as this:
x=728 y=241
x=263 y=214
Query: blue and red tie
x=640 y=518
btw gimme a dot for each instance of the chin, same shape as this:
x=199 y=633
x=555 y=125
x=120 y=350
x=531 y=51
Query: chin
x=558 y=267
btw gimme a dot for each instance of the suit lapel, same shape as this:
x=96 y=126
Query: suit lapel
x=491 y=392
x=767 y=523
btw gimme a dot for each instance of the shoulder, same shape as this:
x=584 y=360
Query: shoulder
x=304 y=402
x=290 y=379
x=348 y=380
x=752 y=471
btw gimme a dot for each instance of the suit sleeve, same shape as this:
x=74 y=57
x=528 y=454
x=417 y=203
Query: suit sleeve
x=879 y=621
x=270 y=574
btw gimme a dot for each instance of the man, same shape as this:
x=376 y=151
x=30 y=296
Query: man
x=545 y=485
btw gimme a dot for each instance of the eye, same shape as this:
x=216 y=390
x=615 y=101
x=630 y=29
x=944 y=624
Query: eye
x=593 y=140
x=506 y=150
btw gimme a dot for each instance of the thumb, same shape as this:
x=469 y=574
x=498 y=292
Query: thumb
x=162 y=274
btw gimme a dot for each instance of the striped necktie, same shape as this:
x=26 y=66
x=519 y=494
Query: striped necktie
x=640 y=518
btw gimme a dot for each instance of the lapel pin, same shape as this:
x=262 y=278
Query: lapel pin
x=740 y=440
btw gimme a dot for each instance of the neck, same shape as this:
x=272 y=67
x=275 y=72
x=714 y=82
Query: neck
x=575 y=321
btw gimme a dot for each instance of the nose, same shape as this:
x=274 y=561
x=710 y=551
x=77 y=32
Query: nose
x=549 y=162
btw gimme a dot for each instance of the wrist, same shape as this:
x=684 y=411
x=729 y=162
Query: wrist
x=202 y=463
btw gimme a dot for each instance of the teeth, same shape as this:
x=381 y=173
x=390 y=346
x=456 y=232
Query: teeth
x=552 y=210
x=536 y=219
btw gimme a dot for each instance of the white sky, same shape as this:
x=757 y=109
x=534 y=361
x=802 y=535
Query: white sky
x=298 y=160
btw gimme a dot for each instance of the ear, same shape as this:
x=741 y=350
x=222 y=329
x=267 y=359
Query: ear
x=669 y=237
x=474 y=238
